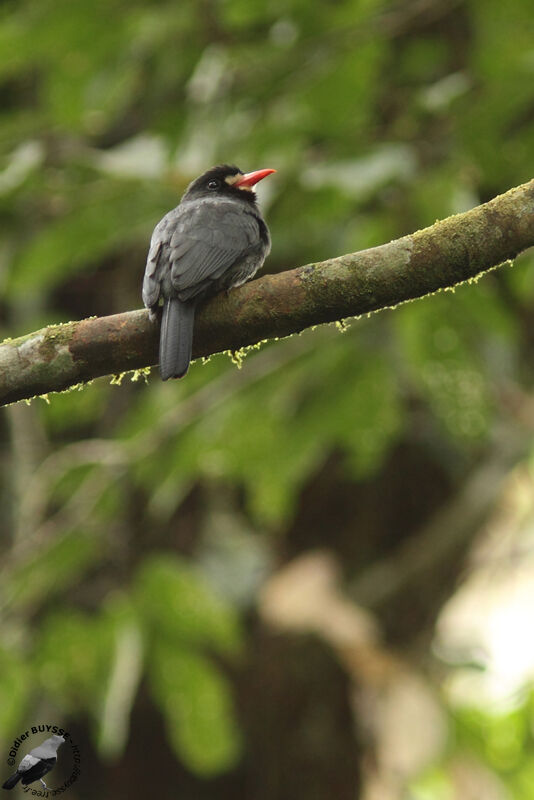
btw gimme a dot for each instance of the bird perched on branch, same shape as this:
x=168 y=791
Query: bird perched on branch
x=37 y=763
x=214 y=239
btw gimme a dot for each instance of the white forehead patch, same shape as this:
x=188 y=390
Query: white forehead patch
x=231 y=179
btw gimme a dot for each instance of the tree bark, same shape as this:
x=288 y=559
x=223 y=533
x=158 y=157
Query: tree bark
x=447 y=253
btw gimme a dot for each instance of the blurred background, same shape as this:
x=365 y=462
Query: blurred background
x=312 y=576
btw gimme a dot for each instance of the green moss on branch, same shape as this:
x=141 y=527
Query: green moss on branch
x=449 y=252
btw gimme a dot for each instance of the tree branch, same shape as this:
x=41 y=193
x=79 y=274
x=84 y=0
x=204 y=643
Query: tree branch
x=443 y=255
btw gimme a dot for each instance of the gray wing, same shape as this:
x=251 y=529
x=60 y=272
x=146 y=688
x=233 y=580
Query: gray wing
x=27 y=763
x=196 y=244
x=152 y=279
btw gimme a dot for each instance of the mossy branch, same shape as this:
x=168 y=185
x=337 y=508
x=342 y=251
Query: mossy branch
x=443 y=255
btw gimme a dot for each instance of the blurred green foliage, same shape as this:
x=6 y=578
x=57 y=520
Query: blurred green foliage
x=380 y=117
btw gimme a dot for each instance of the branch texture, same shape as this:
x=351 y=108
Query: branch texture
x=443 y=255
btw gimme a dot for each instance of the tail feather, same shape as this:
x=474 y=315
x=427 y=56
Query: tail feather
x=176 y=338
x=11 y=781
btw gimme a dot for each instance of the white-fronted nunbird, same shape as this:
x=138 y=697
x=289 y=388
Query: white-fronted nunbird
x=215 y=239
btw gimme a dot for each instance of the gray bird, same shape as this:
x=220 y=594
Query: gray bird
x=214 y=239
x=37 y=763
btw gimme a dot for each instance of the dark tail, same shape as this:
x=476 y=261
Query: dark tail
x=12 y=781
x=176 y=338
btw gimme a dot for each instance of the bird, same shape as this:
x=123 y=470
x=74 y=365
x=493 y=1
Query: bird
x=37 y=763
x=215 y=239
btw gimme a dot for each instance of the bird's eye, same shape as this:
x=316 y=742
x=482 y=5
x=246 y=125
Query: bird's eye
x=213 y=184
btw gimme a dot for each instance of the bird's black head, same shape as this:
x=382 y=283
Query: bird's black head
x=226 y=181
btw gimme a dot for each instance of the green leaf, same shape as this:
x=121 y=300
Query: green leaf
x=175 y=600
x=443 y=360
x=51 y=569
x=73 y=657
x=196 y=702
x=106 y=214
x=15 y=691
